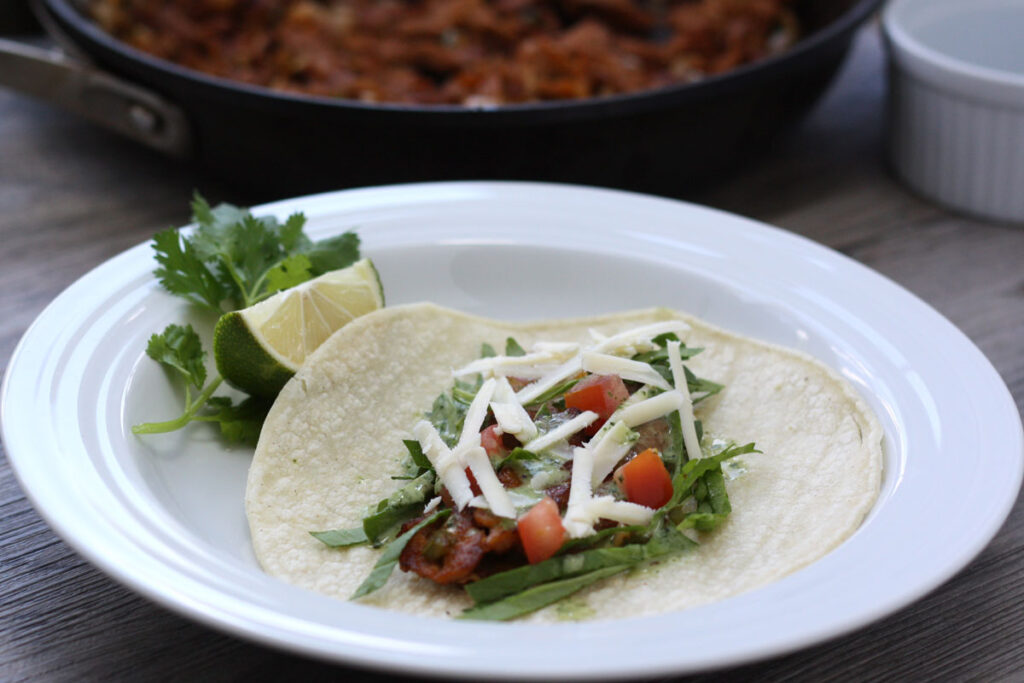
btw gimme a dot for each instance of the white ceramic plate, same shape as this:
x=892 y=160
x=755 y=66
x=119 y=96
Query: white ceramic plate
x=165 y=516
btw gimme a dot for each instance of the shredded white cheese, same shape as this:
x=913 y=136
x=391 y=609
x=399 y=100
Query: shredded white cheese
x=690 y=440
x=642 y=394
x=561 y=432
x=651 y=409
x=620 y=510
x=547 y=478
x=566 y=348
x=633 y=370
x=507 y=417
x=475 y=415
x=491 y=487
x=610 y=449
x=495 y=366
x=638 y=339
x=579 y=520
x=550 y=364
x=575 y=521
x=450 y=469
x=509 y=413
x=532 y=392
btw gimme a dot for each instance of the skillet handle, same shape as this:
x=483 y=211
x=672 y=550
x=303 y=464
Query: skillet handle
x=118 y=105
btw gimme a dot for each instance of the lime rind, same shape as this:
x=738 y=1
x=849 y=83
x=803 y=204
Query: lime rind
x=298 y=320
x=244 y=362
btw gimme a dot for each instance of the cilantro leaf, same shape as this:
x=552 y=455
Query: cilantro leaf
x=331 y=253
x=512 y=348
x=232 y=259
x=184 y=272
x=448 y=415
x=293 y=270
x=517 y=455
x=293 y=239
x=214 y=219
x=180 y=349
x=239 y=423
x=236 y=257
x=255 y=248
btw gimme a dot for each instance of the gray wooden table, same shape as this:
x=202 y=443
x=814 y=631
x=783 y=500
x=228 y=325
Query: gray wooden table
x=71 y=196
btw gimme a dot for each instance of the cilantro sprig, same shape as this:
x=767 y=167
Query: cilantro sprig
x=235 y=259
x=230 y=261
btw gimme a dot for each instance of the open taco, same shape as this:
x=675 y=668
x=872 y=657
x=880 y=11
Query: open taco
x=378 y=433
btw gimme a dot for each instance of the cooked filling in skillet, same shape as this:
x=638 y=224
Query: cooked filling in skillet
x=470 y=52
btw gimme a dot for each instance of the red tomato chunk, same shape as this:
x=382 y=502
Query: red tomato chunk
x=645 y=481
x=492 y=441
x=541 y=531
x=601 y=394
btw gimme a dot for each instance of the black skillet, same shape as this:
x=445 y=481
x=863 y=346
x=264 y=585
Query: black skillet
x=263 y=141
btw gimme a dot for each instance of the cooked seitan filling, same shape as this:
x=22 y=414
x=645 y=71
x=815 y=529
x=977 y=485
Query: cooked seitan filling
x=469 y=52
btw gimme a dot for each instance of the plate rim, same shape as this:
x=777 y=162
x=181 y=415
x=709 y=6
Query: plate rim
x=230 y=623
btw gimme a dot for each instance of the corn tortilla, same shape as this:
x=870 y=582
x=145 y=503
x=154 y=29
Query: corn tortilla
x=333 y=439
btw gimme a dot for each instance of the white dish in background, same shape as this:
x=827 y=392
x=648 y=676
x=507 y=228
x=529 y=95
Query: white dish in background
x=164 y=515
x=956 y=114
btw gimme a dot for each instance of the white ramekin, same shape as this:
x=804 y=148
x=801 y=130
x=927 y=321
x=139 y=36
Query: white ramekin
x=956 y=102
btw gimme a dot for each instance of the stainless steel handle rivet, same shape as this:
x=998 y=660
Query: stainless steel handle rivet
x=143 y=118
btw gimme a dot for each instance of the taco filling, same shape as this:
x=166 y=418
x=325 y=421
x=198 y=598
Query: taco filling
x=591 y=456
x=569 y=450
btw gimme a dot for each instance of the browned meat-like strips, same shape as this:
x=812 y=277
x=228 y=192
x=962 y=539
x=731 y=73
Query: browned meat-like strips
x=446 y=552
x=501 y=535
x=473 y=52
x=454 y=550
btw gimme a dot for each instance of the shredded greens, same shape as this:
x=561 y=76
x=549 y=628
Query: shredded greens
x=532 y=599
x=389 y=557
x=512 y=348
x=699 y=501
x=341 y=538
x=592 y=555
x=400 y=507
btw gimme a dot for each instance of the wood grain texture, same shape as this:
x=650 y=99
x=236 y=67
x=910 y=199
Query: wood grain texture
x=72 y=196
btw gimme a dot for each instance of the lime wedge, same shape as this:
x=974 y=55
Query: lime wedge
x=258 y=349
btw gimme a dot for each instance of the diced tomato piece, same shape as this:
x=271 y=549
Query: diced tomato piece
x=601 y=394
x=541 y=531
x=492 y=441
x=644 y=480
